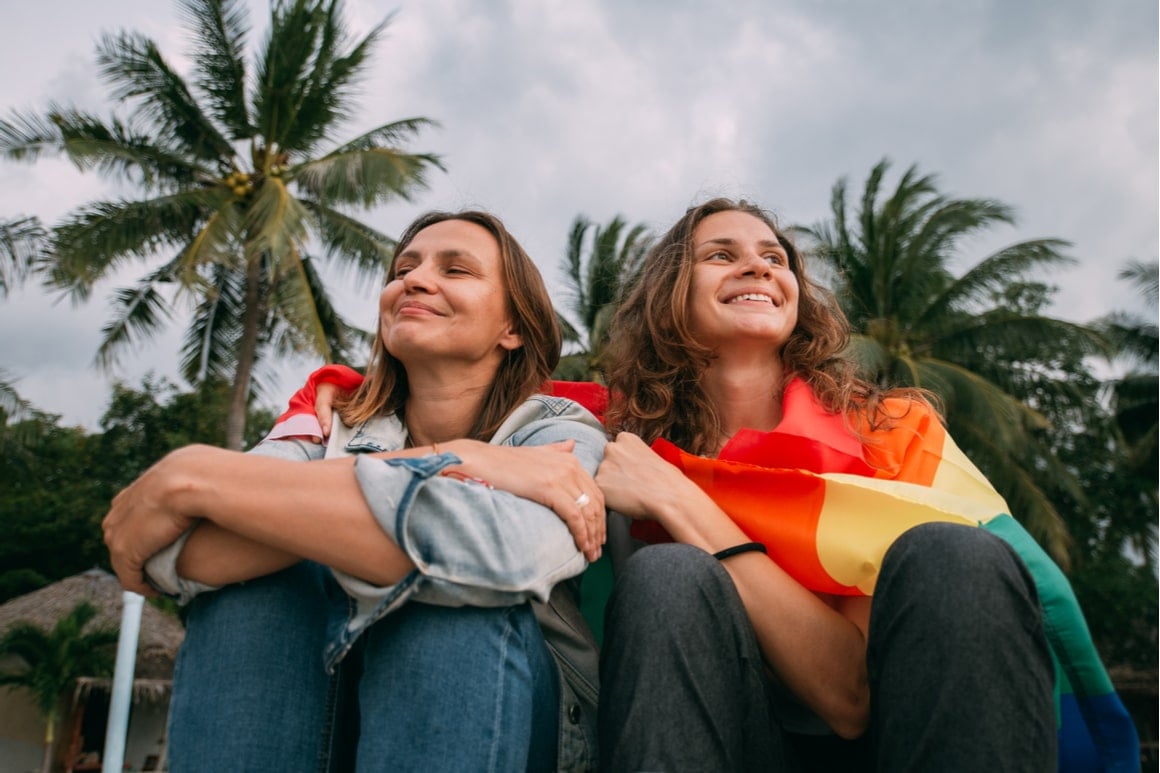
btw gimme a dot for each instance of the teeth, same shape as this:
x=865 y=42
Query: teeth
x=752 y=297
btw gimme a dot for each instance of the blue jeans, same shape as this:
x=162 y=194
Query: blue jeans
x=426 y=688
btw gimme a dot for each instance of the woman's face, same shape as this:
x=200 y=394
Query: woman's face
x=743 y=290
x=447 y=301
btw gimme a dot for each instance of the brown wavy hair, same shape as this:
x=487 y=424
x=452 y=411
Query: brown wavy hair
x=653 y=363
x=523 y=370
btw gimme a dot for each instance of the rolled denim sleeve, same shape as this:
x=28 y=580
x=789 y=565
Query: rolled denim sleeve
x=473 y=545
x=161 y=569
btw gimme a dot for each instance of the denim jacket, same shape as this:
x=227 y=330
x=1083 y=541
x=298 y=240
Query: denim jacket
x=471 y=545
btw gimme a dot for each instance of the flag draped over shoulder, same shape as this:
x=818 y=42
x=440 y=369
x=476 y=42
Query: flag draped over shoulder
x=828 y=504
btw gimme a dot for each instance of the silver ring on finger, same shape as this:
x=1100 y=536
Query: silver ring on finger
x=583 y=499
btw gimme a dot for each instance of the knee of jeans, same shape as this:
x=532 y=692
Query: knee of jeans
x=945 y=558
x=668 y=574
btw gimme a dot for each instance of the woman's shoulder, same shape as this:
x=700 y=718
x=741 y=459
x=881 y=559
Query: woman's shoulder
x=552 y=414
x=552 y=406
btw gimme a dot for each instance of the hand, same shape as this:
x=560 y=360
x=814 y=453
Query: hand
x=637 y=482
x=324 y=406
x=550 y=475
x=144 y=518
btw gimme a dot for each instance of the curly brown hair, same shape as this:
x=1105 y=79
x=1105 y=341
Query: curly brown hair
x=653 y=364
x=523 y=370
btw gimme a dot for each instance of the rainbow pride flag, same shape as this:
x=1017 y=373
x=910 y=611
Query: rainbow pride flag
x=840 y=504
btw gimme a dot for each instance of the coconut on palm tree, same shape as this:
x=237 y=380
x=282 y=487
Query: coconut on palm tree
x=242 y=191
x=976 y=339
x=48 y=663
x=601 y=261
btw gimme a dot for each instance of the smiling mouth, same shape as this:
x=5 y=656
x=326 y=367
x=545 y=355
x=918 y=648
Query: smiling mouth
x=413 y=308
x=760 y=298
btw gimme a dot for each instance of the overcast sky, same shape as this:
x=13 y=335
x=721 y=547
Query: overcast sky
x=554 y=109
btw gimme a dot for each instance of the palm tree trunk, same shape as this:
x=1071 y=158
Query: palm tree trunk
x=247 y=349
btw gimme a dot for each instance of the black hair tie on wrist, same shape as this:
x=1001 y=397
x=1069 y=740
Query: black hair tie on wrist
x=747 y=547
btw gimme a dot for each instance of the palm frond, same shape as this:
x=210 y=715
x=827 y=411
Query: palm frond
x=14 y=407
x=300 y=300
x=999 y=270
x=308 y=73
x=568 y=331
x=139 y=312
x=27 y=137
x=1145 y=277
x=217 y=241
x=572 y=264
x=21 y=244
x=99 y=237
x=365 y=177
x=276 y=221
x=220 y=29
x=971 y=399
x=134 y=68
x=309 y=321
x=351 y=243
x=209 y=345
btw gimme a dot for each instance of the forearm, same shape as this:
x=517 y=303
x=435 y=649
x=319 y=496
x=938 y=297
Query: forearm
x=815 y=650
x=215 y=556
x=314 y=510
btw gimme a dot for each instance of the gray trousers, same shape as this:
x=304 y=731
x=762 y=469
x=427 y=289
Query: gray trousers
x=960 y=673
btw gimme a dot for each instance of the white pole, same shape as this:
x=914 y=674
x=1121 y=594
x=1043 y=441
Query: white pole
x=122 y=696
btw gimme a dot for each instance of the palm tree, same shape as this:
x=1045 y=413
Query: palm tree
x=52 y=662
x=977 y=340
x=237 y=186
x=600 y=262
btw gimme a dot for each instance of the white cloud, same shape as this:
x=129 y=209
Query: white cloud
x=553 y=109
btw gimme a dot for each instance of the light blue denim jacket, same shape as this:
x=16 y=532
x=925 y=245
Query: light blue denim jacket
x=471 y=546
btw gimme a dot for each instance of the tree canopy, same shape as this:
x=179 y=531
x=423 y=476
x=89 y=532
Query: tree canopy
x=978 y=339
x=242 y=191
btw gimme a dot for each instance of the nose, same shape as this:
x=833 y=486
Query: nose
x=418 y=279
x=753 y=264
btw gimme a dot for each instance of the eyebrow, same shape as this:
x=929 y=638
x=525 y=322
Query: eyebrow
x=440 y=255
x=729 y=242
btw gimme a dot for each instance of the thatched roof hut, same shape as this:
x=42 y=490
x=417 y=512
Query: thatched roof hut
x=157 y=643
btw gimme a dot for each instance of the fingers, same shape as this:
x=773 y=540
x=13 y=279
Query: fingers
x=324 y=406
x=584 y=516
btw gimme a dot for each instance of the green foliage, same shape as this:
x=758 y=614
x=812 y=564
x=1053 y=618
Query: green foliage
x=601 y=261
x=236 y=185
x=1135 y=394
x=51 y=662
x=56 y=484
x=19 y=244
x=978 y=340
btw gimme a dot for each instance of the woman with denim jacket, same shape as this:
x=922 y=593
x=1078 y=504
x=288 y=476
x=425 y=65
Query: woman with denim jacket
x=374 y=610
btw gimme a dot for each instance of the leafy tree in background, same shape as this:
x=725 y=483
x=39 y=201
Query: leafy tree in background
x=600 y=261
x=56 y=486
x=1135 y=395
x=52 y=661
x=978 y=340
x=236 y=182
